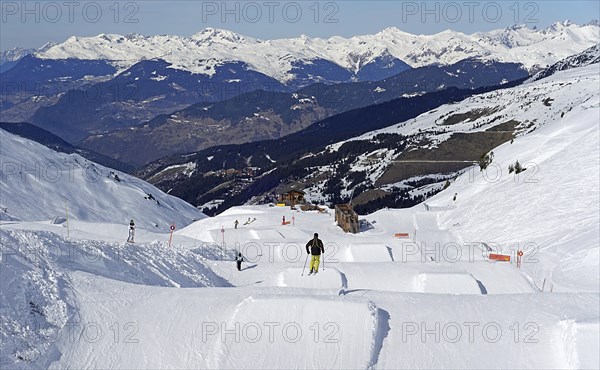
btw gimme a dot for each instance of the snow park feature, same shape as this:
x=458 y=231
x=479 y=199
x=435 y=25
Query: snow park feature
x=369 y=253
x=497 y=270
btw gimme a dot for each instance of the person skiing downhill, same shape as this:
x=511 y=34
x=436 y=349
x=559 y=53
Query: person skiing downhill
x=131 y=232
x=315 y=247
x=238 y=260
x=236 y=223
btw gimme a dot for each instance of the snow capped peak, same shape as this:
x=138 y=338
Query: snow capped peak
x=449 y=32
x=108 y=37
x=516 y=27
x=133 y=36
x=392 y=31
x=210 y=34
x=14 y=54
x=593 y=22
x=559 y=26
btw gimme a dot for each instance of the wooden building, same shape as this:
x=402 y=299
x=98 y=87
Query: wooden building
x=346 y=218
x=292 y=197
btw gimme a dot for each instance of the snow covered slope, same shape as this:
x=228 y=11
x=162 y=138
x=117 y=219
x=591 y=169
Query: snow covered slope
x=453 y=134
x=529 y=106
x=551 y=210
x=37 y=183
x=204 y=51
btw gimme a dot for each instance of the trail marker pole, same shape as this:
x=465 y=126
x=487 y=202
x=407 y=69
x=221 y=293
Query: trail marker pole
x=223 y=243
x=67 y=216
x=172 y=228
x=293 y=220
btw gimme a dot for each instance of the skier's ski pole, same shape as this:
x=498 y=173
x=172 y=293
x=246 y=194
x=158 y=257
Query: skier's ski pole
x=306 y=260
x=323 y=268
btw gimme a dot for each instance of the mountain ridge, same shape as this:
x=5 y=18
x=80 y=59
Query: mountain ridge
x=205 y=50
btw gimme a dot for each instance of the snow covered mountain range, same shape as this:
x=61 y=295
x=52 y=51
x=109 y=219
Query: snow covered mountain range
x=10 y=57
x=202 y=52
x=94 y=85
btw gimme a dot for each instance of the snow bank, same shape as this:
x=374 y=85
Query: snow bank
x=579 y=341
x=37 y=295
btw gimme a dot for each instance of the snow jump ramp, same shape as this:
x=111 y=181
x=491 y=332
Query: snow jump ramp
x=447 y=283
x=298 y=332
x=368 y=253
x=329 y=278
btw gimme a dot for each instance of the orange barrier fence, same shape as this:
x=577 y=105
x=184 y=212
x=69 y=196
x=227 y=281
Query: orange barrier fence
x=499 y=257
x=401 y=235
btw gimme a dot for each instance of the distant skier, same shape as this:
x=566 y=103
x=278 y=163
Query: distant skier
x=315 y=247
x=238 y=260
x=454 y=199
x=236 y=223
x=283 y=222
x=131 y=232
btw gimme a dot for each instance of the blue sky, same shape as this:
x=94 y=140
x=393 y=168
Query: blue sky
x=33 y=23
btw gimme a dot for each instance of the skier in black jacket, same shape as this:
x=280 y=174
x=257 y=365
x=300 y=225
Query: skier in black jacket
x=315 y=247
x=238 y=260
x=131 y=232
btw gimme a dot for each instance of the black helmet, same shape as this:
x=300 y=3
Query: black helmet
x=316 y=235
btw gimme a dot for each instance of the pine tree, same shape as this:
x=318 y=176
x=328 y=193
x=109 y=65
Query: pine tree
x=518 y=167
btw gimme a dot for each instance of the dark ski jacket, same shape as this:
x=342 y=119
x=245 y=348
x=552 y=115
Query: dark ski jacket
x=315 y=247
